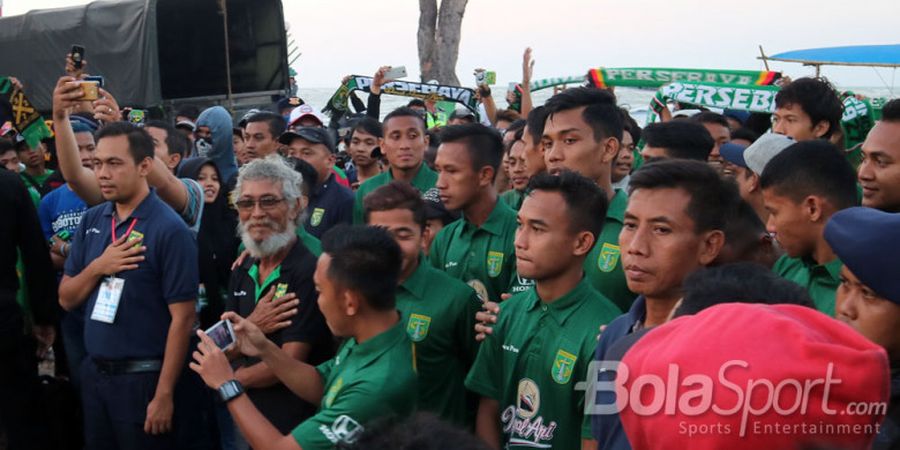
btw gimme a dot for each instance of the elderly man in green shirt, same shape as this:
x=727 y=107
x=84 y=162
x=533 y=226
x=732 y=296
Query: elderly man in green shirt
x=437 y=310
x=583 y=133
x=802 y=187
x=404 y=144
x=373 y=374
x=526 y=371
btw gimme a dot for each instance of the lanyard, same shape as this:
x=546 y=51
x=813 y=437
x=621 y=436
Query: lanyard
x=130 y=227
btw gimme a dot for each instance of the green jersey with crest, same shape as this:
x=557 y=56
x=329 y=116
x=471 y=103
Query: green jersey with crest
x=603 y=266
x=532 y=362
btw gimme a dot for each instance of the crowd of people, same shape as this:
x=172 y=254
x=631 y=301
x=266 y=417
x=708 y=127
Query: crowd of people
x=541 y=276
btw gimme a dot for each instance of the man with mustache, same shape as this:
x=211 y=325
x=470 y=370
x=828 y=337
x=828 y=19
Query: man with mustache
x=279 y=271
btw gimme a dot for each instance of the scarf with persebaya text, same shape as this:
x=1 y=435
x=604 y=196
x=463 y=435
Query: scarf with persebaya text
x=25 y=118
x=338 y=103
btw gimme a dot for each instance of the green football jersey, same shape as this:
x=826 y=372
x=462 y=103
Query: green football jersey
x=423 y=181
x=603 y=266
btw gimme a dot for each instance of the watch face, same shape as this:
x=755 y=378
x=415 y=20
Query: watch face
x=230 y=390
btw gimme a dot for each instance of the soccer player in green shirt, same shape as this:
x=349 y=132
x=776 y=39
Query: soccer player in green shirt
x=373 y=374
x=583 y=133
x=404 y=144
x=802 y=187
x=437 y=310
x=527 y=369
x=477 y=248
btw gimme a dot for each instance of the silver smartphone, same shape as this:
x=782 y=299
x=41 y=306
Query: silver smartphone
x=222 y=334
x=395 y=73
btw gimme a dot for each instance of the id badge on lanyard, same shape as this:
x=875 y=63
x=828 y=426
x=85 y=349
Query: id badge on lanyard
x=111 y=288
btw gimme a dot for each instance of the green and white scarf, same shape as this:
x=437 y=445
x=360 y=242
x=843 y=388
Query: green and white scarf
x=338 y=104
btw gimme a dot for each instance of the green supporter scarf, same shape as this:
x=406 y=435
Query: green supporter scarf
x=338 y=104
x=714 y=95
x=652 y=78
x=25 y=118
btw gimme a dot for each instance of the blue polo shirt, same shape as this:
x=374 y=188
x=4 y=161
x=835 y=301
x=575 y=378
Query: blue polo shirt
x=607 y=429
x=169 y=274
x=330 y=204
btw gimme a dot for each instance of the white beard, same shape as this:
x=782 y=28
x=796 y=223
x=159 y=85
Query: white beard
x=271 y=245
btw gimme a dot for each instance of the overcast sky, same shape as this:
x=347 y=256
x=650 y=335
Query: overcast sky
x=339 y=37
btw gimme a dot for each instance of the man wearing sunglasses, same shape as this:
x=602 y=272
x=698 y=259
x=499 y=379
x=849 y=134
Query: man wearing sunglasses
x=279 y=272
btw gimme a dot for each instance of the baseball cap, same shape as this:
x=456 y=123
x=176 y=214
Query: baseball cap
x=866 y=240
x=304 y=111
x=315 y=135
x=759 y=153
x=750 y=368
x=187 y=125
x=733 y=153
x=462 y=113
x=289 y=102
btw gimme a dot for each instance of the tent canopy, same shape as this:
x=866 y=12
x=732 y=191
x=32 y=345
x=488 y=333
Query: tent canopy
x=855 y=55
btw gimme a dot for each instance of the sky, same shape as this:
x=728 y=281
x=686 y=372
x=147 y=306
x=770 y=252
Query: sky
x=341 y=37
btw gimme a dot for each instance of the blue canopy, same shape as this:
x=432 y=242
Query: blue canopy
x=854 y=55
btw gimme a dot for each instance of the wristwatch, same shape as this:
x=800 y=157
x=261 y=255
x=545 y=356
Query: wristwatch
x=230 y=390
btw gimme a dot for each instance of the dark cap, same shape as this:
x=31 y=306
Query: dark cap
x=866 y=240
x=289 y=102
x=315 y=135
x=462 y=113
x=733 y=153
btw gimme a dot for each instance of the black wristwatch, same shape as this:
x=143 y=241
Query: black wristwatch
x=230 y=390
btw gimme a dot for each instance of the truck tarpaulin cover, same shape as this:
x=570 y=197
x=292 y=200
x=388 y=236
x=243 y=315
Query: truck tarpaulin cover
x=119 y=38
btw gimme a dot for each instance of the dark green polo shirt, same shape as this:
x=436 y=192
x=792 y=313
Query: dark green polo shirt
x=820 y=280
x=423 y=181
x=603 y=266
x=363 y=382
x=532 y=362
x=513 y=198
x=439 y=316
x=484 y=257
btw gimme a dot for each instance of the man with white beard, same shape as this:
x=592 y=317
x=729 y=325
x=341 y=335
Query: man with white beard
x=273 y=287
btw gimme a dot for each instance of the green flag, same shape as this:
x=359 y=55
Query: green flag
x=25 y=118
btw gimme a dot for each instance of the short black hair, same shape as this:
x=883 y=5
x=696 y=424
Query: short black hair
x=485 y=146
x=140 y=143
x=508 y=115
x=586 y=203
x=365 y=260
x=396 y=195
x=710 y=117
x=416 y=103
x=422 y=431
x=814 y=167
x=367 y=125
x=630 y=126
x=817 y=98
x=741 y=282
x=177 y=142
x=404 y=111
x=712 y=198
x=745 y=134
x=190 y=111
x=307 y=171
x=891 y=111
x=600 y=112
x=682 y=139
x=536 y=120
x=276 y=123
x=6 y=145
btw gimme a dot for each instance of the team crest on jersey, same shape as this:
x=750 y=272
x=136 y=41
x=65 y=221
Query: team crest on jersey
x=333 y=391
x=563 y=366
x=316 y=217
x=609 y=257
x=494 y=264
x=417 y=327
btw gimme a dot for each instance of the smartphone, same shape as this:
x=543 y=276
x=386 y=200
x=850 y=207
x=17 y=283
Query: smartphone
x=222 y=334
x=395 y=73
x=78 y=56
x=95 y=78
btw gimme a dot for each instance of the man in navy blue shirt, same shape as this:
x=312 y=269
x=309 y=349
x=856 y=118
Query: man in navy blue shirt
x=673 y=226
x=133 y=265
x=330 y=203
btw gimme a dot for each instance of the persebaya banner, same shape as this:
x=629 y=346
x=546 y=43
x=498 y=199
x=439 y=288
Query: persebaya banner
x=860 y=114
x=553 y=82
x=427 y=92
x=647 y=77
x=712 y=95
x=25 y=118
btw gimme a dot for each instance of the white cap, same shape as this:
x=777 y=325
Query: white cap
x=303 y=111
x=759 y=153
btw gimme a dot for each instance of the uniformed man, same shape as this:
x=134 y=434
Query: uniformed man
x=868 y=298
x=477 y=248
x=373 y=373
x=438 y=311
x=526 y=371
x=404 y=144
x=134 y=264
x=802 y=187
x=279 y=269
x=329 y=202
x=583 y=133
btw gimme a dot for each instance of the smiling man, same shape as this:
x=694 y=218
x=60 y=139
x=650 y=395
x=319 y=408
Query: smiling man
x=879 y=173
